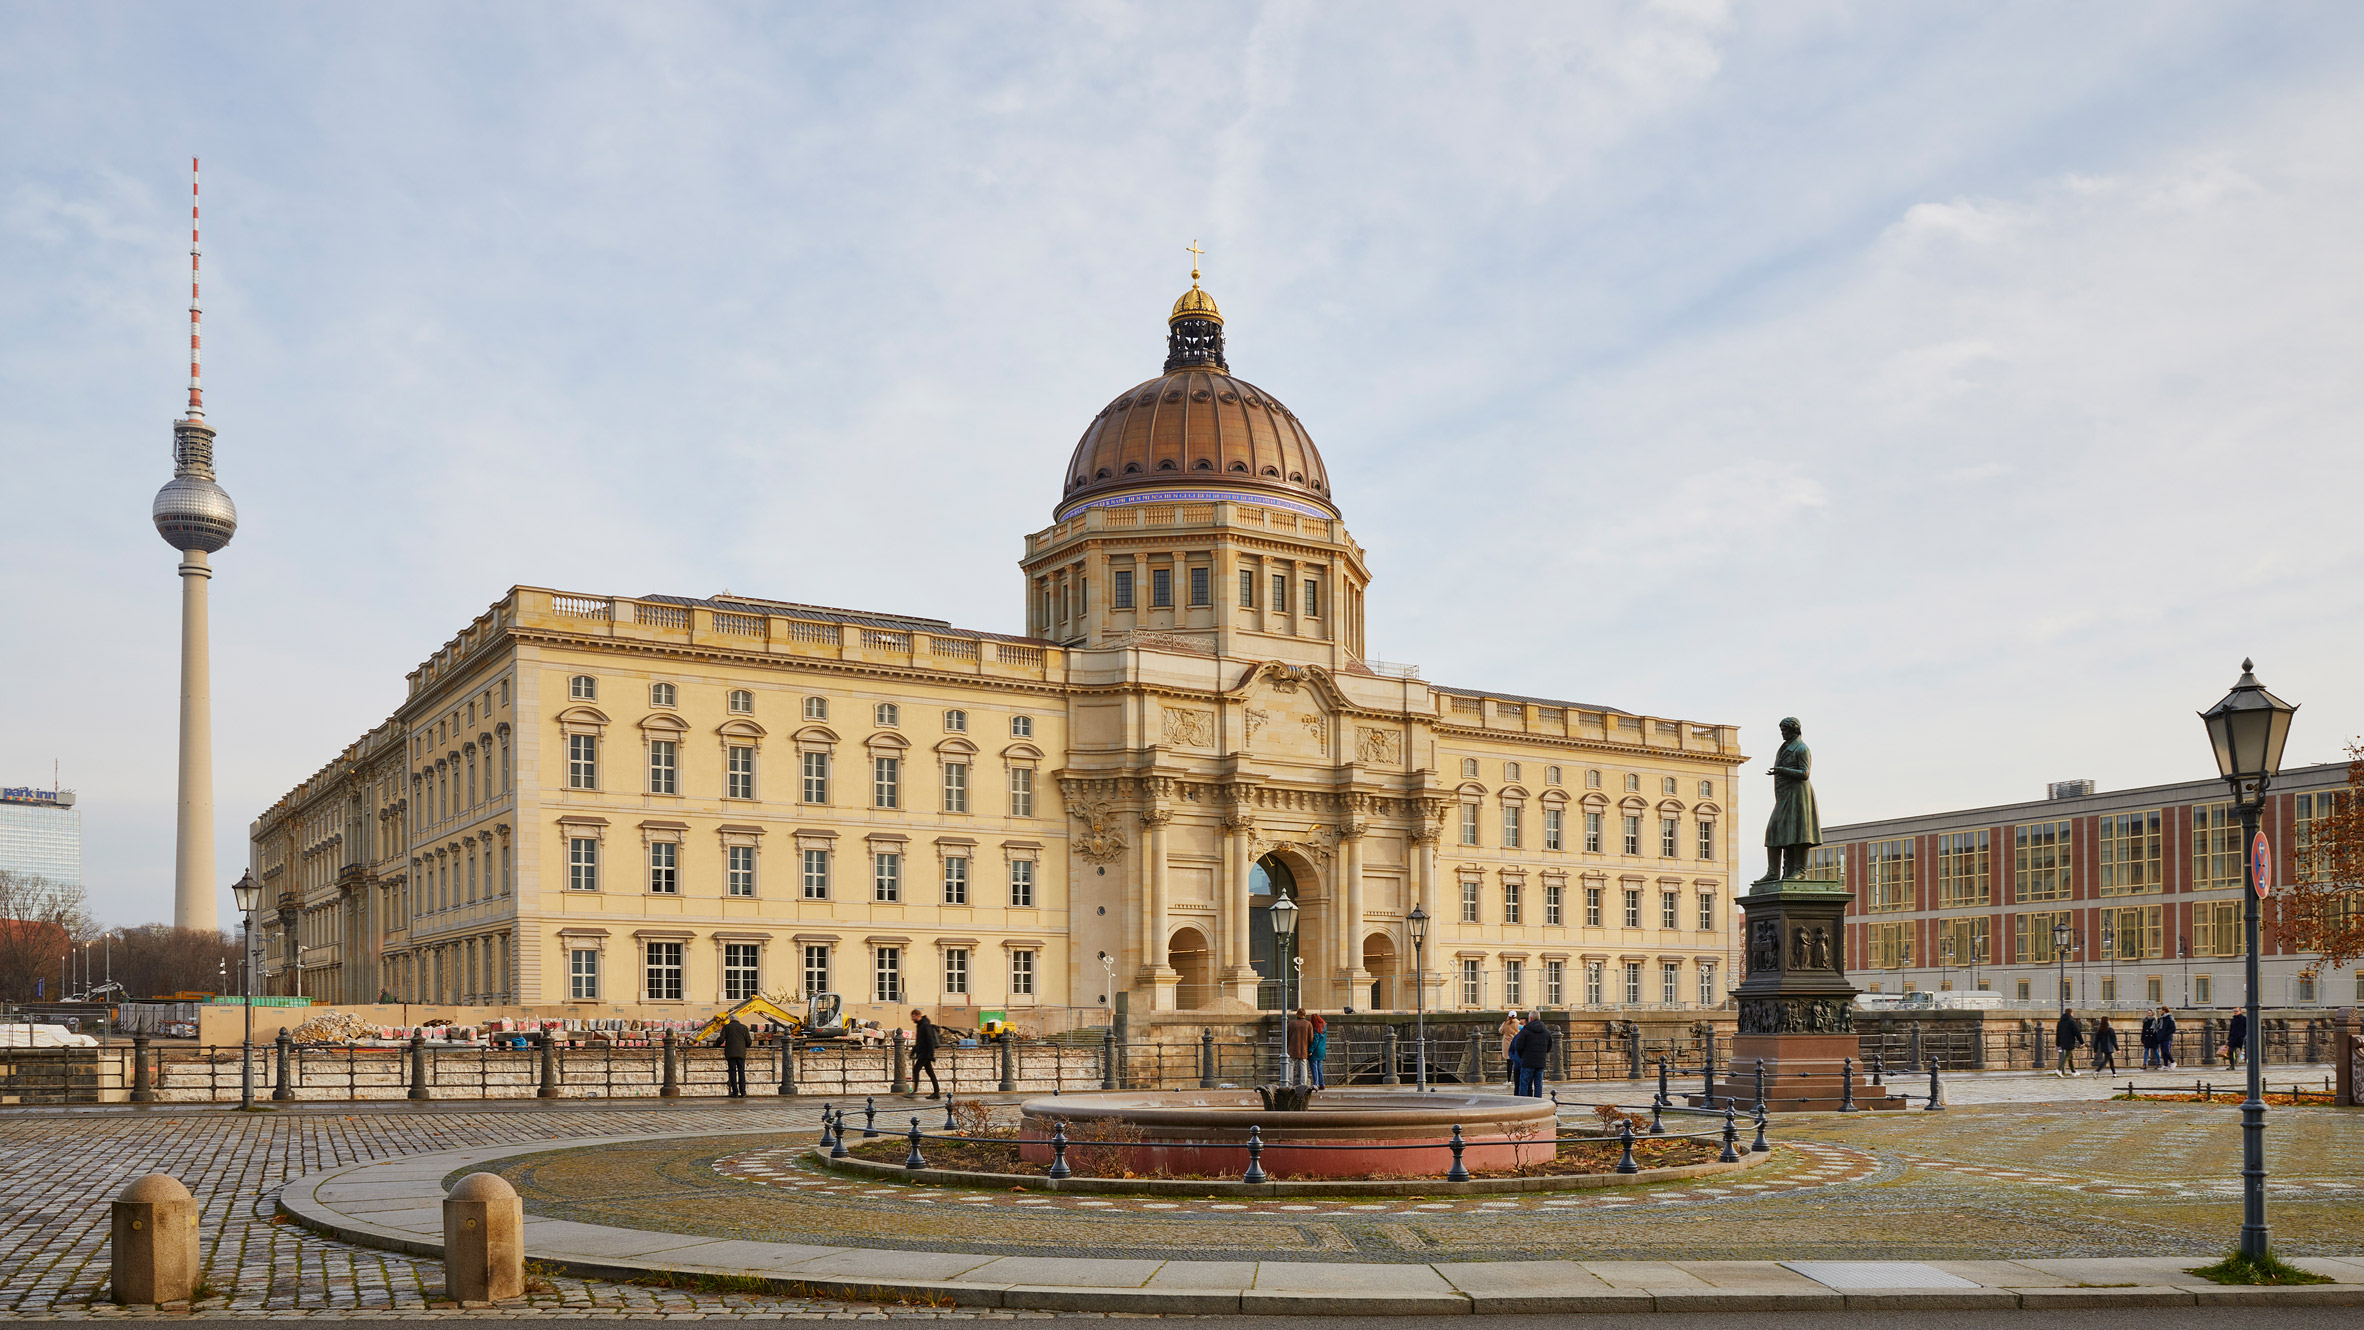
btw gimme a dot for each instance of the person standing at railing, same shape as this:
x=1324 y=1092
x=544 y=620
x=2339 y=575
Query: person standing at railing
x=735 y=1039
x=2105 y=1047
x=1530 y=1054
x=1317 y=1047
x=923 y=1053
x=1300 y=1043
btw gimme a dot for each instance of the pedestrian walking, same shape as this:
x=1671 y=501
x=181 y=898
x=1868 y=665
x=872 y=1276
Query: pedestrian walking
x=2068 y=1036
x=2236 y=1039
x=2105 y=1047
x=735 y=1039
x=1317 y=1048
x=923 y=1054
x=1509 y=1030
x=2166 y=1038
x=1300 y=1043
x=2150 y=1040
x=1531 y=1053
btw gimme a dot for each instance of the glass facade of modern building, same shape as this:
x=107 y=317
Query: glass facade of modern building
x=41 y=834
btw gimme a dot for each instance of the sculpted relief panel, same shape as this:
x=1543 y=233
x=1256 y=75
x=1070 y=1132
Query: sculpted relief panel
x=1375 y=747
x=1189 y=729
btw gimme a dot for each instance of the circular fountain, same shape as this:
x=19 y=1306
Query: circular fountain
x=1400 y=1132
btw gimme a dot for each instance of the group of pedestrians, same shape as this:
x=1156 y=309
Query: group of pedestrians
x=736 y=1038
x=2158 y=1041
x=1308 y=1038
x=2158 y=1038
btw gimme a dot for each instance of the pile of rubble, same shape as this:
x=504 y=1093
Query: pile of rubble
x=334 y=1027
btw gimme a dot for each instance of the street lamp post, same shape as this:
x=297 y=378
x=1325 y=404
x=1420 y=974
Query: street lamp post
x=242 y=894
x=2062 y=936
x=1945 y=953
x=1283 y=914
x=2247 y=730
x=1417 y=923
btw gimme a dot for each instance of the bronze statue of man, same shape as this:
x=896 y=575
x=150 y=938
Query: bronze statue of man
x=1796 y=826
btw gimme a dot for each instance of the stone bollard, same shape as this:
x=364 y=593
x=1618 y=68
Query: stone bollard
x=141 y=1091
x=1206 y=1058
x=671 y=1089
x=1108 y=1058
x=281 y=1091
x=549 y=1086
x=2347 y=1058
x=1393 y=1075
x=483 y=1240
x=1009 y=1065
x=154 y=1253
x=787 y=1063
x=418 y=1066
x=901 y=1083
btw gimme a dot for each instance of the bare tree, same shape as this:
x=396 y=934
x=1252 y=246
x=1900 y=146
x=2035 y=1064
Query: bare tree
x=40 y=920
x=154 y=960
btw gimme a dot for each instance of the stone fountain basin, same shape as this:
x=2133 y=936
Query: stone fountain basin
x=1398 y=1132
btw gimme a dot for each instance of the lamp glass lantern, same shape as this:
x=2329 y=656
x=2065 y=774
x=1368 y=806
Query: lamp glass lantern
x=243 y=893
x=1283 y=913
x=2247 y=731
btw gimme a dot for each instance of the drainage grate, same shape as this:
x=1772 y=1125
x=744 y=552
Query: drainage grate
x=1878 y=1274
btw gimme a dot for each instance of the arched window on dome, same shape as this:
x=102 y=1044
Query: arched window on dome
x=1203 y=465
x=1166 y=465
x=1240 y=467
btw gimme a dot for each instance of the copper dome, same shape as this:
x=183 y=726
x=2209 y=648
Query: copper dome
x=1195 y=429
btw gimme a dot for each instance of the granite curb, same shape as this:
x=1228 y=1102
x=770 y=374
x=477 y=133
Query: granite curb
x=1343 y=1289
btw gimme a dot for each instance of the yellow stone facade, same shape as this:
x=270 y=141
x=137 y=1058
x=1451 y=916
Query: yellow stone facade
x=650 y=805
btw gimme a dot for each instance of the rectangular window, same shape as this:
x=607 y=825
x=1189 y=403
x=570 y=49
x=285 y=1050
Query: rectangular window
x=1473 y=983
x=1510 y=902
x=2031 y=936
x=663 y=776
x=1514 y=983
x=1021 y=974
x=816 y=969
x=664 y=868
x=1280 y=593
x=816 y=708
x=739 y=970
x=1633 y=834
x=2131 y=933
x=956 y=787
x=1161 y=588
x=816 y=875
x=2044 y=869
x=1890 y=945
x=1592 y=983
x=664 y=972
x=582 y=863
x=738 y=773
x=1592 y=833
x=582 y=974
x=1201 y=578
x=956 y=971
x=1120 y=592
x=1633 y=983
x=1708 y=996
x=2129 y=853
x=1510 y=826
x=1552 y=905
x=886 y=782
x=1889 y=875
x=1555 y=983
x=2310 y=856
x=2203 y=990
x=1313 y=596
x=1469 y=902
x=1022 y=883
x=956 y=880
x=1668 y=835
x=1827 y=863
x=2216 y=847
x=742 y=870
x=1247 y=589
x=2216 y=928
x=1633 y=907
x=1554 y=822
x=886 y=878
x=1965 y=870
x=1670 y=983
x=582 y=761
x=1469 y=824
x=1021 y=791
x=1707 y=912
x=1670 y=909
x=816 y=778
x=1707 y=840
x=1592 y=907
x=888 y=965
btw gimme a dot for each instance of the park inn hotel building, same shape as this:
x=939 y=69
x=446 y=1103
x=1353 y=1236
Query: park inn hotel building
x=657 y=804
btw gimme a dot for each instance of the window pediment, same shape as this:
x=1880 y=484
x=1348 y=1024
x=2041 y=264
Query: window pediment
x=1595 y=800
x=1671 y=807
x=1707 y=808
x=1553 y=798
x=582 y=717
x=1021 y=752
x=1470 y=789
x=956 y=747
x=1514 y=792
x=816 y=736
x=739 y=727
x=663 y=723
x=886 y=741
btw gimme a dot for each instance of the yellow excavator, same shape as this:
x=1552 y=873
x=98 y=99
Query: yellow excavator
x=823 y=1018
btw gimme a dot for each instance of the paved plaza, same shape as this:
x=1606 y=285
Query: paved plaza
x=2046 y=1176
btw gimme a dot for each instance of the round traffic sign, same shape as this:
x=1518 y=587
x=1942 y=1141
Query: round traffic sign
x=2261 y=865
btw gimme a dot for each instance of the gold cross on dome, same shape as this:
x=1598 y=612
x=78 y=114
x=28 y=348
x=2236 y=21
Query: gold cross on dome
x=1195 y=254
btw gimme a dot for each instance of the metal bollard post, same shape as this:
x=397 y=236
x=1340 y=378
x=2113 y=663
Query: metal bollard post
x=1206 y=1059
x=1657 y=1124
x=901 y=1083
x=1457 y=1173
x=671 y=1089
x=1937 y=1092
x=1760 y=1087
x=1879 y=1067
x=950 y=1123
x=1108 y=1058
x=1391 y=1076
x=141 y=1093
x=153 y=1256
x=1762 y=1145
x=1731 y=1154
x=827 y=1139
x=549 y=1086
x=1661 y=1101
x=912 y=1160
x=869 y=1116
x=1255 y=1171
x=1707 y=1073
x=418 y=1067
x=1633 y=1051
x=281 y=1091
x=1625 y=1164
x=1059 y=1168
x=1009 y=1065
x=787 y=1064
x=1847 y=1088
x=837 y=1148
x=483 y=1240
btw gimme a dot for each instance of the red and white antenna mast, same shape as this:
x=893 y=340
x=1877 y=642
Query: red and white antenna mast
x=196 y=387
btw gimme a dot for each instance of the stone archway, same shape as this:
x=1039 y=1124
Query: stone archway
x=1189 y=956
x=1379 y=962
x=1285 y=871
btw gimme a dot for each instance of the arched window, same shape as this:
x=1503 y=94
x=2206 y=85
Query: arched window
x=1021 y=727
x=956 y=722
x=662 y=694
x=816 y=708
x=742 y=701
x=582 y=688
x=1469 y=766
x=887 y=713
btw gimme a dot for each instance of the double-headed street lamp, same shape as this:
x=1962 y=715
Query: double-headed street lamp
x=1416 y=923
x=1283 y=915
x=243 y=894
x=2247 y=729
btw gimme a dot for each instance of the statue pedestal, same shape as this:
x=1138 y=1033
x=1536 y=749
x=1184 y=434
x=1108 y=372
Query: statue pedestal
x=1797 y=1009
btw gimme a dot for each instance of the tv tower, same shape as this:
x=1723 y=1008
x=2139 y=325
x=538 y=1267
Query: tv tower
x=196 y=517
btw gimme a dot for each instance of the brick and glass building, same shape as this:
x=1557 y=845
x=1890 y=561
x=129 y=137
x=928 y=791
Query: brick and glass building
x=2148 y=880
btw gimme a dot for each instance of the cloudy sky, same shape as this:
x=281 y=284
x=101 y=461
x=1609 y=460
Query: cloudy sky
x=1978 y=381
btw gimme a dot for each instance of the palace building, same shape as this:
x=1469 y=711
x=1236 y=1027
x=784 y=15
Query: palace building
x=663 y=803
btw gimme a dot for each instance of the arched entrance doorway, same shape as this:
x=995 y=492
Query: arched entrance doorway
x=1270 y=880
x=1189 y=956
x=1379 y=963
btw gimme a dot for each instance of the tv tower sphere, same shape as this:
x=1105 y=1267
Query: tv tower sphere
x=191 y=511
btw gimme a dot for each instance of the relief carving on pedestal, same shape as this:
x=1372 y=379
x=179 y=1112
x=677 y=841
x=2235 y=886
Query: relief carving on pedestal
x=1828 y=1015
